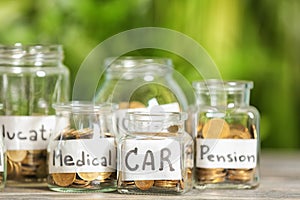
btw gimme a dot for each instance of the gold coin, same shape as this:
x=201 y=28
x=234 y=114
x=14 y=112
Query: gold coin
x=216 y=128
x=166 y=183
x=144 y=184
x=16 y=155
x=238 y=134
x=104 y=175
x=63 y=179
x=88 y=176
x=35 y=151
x=136 y=104
x=173 y=129
x=10 y=167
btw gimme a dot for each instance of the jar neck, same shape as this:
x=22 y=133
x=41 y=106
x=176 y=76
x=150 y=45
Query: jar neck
x=229 y=94
x=167 y=123
x=31 y=55
x=131 y=67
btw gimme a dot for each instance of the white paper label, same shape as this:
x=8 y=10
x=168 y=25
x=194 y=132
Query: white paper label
x=82 y=155
x=1 y=161
x=226 y=153
x=26 y=132
x=151 y=160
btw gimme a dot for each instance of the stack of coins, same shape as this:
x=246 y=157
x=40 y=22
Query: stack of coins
x=26 y=164
x=80 y=179
x=217 y=128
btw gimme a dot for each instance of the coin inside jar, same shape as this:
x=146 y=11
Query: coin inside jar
x=216 y=128
x=16 y=155
x=144 y=184
x=63 y=179
x=104 y=175
x=88 y=176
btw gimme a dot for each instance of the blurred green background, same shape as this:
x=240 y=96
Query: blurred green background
x=257 y=40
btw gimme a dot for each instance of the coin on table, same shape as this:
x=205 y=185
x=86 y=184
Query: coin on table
x=16 y=155
x=88 y=176
x=63 y=179
x=216 y=128
x=144 y=184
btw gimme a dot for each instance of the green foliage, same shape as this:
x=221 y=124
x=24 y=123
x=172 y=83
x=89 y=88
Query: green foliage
x=249 y=39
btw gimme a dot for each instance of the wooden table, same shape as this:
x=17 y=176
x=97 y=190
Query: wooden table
x=280 y=180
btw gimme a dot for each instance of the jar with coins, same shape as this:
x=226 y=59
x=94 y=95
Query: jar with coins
x=32 y=78
x=2 y=164
x=226 y=135
x=155 y=156
x=140 y=84
x=82 y=150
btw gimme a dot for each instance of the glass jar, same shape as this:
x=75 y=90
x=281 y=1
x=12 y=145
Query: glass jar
x=2 y=164
x=227 y=135
x=140 y=84
x=82 y=150
x=155 y=156
x=32 y=78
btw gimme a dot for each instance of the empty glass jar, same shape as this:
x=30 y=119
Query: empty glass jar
x=32 y=78
x=82 y=150
x=227 y=135
x=155 y=156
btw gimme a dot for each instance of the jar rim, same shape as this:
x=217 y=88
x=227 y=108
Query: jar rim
x=222 y=85
x=85 y=106
x=30 y=52
x=131 y=63
x=156 y=116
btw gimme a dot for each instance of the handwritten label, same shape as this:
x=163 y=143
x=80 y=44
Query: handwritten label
x=26 y=132
x=151 y=160
x=84 y=155
x=226 y=153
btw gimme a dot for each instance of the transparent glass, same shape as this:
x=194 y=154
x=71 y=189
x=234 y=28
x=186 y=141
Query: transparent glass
x=226 y=132
x=3 y=161
x=138 y=83
x=82 y=149
x=32 y=78
x=155 y=156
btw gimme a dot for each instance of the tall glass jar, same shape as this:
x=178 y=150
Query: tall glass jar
x=227 y=135
x=155 y=156
x=82 y=150
x=32 y=78
x=140 y=84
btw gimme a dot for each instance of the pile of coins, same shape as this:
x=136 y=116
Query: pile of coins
x=219 y=128
x=86 y=180
x=81 y=179
x=26 y=165
x=148 y=184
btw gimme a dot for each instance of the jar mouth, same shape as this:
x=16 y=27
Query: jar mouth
x=19 y=54
x=156 y=117
x=138 y=64
x=85 y=107
x=220 y=85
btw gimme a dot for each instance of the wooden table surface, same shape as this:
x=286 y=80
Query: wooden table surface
x=280 y=180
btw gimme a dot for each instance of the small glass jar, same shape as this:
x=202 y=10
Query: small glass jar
x=155 y=156
x=2 y=164
x=82 y=149
x=32 y=78
x=140 y=84
x=227 y=135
